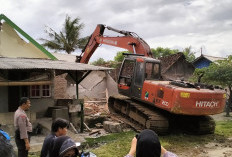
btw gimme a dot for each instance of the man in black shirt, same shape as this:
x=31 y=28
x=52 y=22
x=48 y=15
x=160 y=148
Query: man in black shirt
x=59 y=128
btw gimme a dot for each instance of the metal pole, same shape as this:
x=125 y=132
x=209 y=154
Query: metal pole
x=134 y=49
x=77 y=86
x=82 y=116
x=81 y=102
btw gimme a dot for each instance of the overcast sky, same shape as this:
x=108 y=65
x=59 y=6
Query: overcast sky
x=205 y=24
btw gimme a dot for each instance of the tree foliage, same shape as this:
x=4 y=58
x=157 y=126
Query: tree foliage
x=68 y=39
x=190 y=56
x=162 y=52
x=99 y=62
x=119 y=56
x=218 y=73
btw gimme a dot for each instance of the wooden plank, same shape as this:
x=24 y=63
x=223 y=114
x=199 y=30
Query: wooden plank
x=26 y=83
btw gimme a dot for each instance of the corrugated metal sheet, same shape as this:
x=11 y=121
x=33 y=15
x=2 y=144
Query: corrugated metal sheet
x=210 y=58
x=29 y=63
x=213 y=59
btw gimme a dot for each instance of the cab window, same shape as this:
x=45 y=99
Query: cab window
x=127 y=71
x=152 y=71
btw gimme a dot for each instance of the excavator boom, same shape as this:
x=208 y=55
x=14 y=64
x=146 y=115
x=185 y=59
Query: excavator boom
x=130 y=41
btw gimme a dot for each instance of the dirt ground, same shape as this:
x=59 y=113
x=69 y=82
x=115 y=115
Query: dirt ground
x=218 y=148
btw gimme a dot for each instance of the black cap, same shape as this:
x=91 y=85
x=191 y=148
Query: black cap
x=148 y=144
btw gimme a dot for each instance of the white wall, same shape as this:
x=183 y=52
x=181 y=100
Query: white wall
x=41 y=105
x=13 y=46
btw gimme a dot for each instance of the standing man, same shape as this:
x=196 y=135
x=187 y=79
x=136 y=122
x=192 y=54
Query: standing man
x=23 y=127
x=59 y=128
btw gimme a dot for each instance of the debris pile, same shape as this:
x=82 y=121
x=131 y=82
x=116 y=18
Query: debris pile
x=95 y=109
x=97 y=117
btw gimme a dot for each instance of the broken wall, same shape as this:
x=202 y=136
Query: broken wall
x=93 y=86
x=112 y=86
x=96 y=85
x=60 y=87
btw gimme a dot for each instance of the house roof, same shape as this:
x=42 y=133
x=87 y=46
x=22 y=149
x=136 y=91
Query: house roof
x=32 y=63
x=9 y=34
x=210 y=58
x=168 y=61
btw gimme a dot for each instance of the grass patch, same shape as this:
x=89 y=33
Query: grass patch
x=109 y=146
x=224 y=128
x=118 y=145
x=34 y=154
x=113 y=145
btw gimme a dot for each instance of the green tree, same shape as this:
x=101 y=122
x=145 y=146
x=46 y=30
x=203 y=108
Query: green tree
x=190 y=56
x=119 y=56
x=99 y=62
x=68 y=39
x=162 y=52
x=218 y=73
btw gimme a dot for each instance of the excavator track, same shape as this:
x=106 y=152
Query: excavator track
x=193 y=124
x=139 y=117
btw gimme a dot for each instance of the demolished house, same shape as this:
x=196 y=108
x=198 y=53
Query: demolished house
x=96 y=87
x=176 y=67
x=27 y=69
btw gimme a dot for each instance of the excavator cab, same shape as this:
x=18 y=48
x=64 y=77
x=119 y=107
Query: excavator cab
x=134 y=71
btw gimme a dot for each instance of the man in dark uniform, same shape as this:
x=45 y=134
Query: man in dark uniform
x=23 y=127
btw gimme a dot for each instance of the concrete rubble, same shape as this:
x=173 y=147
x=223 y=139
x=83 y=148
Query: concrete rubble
x=112 y=127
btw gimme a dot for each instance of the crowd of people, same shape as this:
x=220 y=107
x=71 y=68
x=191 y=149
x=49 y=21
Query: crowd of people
x=58 y=144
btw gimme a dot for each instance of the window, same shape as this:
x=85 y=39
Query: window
x=45 y=91
x=38 y=91
x=128 y=68
x=139 y=74
x=152 y=71
x=35 y=91
x=127 y=71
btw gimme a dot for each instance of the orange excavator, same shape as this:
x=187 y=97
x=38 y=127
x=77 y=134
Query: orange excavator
x=145 y=100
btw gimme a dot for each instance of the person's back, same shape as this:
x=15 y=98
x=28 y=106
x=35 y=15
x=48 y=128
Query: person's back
x=63 y=146
x=58 y=128
x=46 y=145
x=147 y=144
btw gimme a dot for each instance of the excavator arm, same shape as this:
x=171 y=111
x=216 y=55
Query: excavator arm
x=130 y=41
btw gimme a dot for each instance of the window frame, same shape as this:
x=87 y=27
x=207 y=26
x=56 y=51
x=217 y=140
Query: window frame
x=41 y=89
x=49 y=91
x=154 y=64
